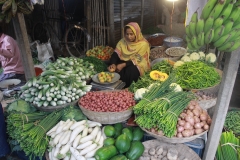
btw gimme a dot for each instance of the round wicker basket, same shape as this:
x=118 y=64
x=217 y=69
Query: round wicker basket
x=107 y=117
x=53 y=108
x=206 y=104
x=173 y=139
x=183 y=150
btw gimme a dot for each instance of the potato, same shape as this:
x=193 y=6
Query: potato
x=152 y=151
x=159 y=150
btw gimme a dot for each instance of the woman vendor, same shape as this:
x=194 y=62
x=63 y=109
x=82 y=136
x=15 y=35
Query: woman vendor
x=131 y=56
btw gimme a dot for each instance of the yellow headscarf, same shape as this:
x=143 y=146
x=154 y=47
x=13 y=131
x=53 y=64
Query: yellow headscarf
x=137 y=51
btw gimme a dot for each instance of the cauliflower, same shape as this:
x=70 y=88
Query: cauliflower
x=186 y=59
x=211 y=57
x=202 y=55
x=177 y=88
x=194 y=56
x=177 y=64
x=139 y=93
x=186 y=54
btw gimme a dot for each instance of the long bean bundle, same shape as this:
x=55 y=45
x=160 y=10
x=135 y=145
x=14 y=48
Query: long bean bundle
x=228 y=147
x=232 y=122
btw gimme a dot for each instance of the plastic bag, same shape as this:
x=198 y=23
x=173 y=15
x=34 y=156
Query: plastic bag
x=45 y=51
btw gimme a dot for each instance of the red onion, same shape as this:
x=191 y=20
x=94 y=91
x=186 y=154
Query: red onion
x=196 y=119
x=180 y=128
x=187 y=125
x=186 y=133
x=196 y=112
x=189 y=119
x=181 y=122
x=206 y=127
x=209 y=121
x=197 y=125
x=203 y=116
x=190 y=113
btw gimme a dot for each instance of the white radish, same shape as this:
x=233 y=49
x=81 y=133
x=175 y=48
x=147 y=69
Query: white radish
x=75 y=125
x=85 y=139
x=76 y=154
x=84 y=145
x=90 y=130
x=88 y=149
x=67 y=137
x=53 y=129
x=76 y=131
x=56 y=139
x=50 y=155
x=76 y=141
x=91 y=153
x=56 y=150
x=72 y=157
x=98 y=136
x=91 y=158
x=68 y=125
x=103 y=134
x=93 y=124
x=85 y=132
x=95 y=131
x=53 y=150
x=65 y=148
x=53 y=134
x=100 y=143
x=60 y=128
x=66 y=158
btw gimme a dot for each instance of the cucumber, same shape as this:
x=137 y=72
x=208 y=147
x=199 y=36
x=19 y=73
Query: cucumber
x=64 y=98
x=53 y=103
x=40 y=94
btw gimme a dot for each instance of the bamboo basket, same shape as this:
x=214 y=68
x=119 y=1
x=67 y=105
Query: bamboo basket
x=173 y=139
x=183 y=150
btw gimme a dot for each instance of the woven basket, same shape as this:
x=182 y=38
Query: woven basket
x=183 y=150
x=173 y=139
x=53 y=108
x=206 y=104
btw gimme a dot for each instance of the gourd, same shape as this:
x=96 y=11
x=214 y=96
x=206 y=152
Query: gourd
x=122 y=143
x=135 y=151
x=156 y=75
x=137 y=134
x=128 y=132
x=106 y=152
x=119 y=157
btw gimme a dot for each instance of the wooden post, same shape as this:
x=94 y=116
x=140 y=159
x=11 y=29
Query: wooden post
x=23 y=44
x=122 y=17
x=87 y=11
x=111 y=24
x=223 y=100
x=142 y=13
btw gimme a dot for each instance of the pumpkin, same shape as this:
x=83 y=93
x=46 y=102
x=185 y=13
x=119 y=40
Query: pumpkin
x=156 y=75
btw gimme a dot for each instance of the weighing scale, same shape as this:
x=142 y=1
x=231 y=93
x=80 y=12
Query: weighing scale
x=113 y=86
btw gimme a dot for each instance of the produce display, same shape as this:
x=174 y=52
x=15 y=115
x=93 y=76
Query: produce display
x=101 y=52
x=75 y=139
x=63 y=82
x=196 y=75
x=105 y=77
x=121 y=143
x=228 y=147
x=219 y=25
x=200 y=95
x=232 y=122
x=112 y=101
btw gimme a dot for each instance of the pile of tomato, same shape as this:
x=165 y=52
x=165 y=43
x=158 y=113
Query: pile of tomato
x=101 y=52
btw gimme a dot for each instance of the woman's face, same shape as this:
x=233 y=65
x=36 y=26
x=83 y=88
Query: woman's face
x=129 y=35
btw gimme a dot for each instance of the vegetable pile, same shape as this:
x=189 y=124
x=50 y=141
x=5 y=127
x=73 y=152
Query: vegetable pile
x=101 y=52
x=228 y=147
x=164 y=66
x=78 y=140
x=121 y=143
x=62 y=82
x=111 y=101
x=196 y=75
x=99 y=66
x=232 y=122
x=105 y=77
x=200 y=95
x=192 y=121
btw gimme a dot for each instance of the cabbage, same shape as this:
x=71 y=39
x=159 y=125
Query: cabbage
x=20 y=105
x=73 y=113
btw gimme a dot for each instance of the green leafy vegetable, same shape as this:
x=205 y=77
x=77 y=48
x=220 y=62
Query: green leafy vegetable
x=99 y=65
x=20 y=106
x=74 y=113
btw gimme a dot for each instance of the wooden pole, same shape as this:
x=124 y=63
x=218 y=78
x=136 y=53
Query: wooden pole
x=111 y=24
x=24 y=46
x=142 y=13
x=122 y=17
x=87 y=10
x=223 y=100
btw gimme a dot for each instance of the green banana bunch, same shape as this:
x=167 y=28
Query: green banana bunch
x=228 y=26
x=200 y=39
x=235 y=13
x=234 y=47
x=194 y=17
x=208 y=36
x=187 y=30
x=194 y=43
x=235 y=34
x=218 y=32
x=222 y=40
x=226 y=46
x=207 y=9
x=199 y=26
x=208 y=24
x=227 y=10
x=192 y=27
x=217 y=9
x=189 y=45
x=236 y=26
x=218 y=22
x=6 y=5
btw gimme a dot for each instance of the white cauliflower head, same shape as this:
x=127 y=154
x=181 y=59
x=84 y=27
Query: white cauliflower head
x=194 y=56
x=177 y=64
x=177 y=87
x=211 y=57
x=186 y=59
x=202 y=55
x=186 y=54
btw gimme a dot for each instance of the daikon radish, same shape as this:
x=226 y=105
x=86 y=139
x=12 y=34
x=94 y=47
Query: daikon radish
x=76 y=141
x=88 y=149
x=76 y=131
x=75 y=125
x=84 y=145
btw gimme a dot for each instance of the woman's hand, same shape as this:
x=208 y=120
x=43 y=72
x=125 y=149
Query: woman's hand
x=120 y=67
x=112 y=68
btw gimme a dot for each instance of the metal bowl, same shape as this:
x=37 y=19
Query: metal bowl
x=173 y=42
x=151 y=38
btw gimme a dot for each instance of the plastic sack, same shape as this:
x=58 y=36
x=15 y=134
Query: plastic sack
x=45 y=51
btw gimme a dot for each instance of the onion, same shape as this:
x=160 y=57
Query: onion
x=196 y=119
x=186 y=133
x=196 y=112
x=209 y=121
x=180 y=128
x=187 y=125
x=190 y=113
x=179 y=135
x=181 y=122
x=197 y=125
x=206 y=127
x=191 y=107
x=189 y=119
x=198 y=130
x=203 y=123
x=203 y=116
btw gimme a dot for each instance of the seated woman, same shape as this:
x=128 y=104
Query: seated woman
x=131 y=56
